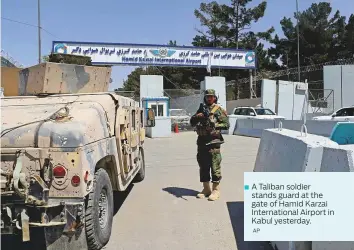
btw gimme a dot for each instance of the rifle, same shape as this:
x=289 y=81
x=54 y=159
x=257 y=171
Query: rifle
x=204 y=121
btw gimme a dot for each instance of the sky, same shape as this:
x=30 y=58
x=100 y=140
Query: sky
x=119 y=21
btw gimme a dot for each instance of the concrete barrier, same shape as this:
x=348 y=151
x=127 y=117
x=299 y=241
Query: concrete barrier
x=162 y=128
x=323 y=128
x=255 y=127
x=338 y=159
x=288 y=151
x=232 y=121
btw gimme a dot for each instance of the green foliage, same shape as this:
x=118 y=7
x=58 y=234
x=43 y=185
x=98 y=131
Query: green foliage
x=45 y=58
x=325 y=35
x=70 y=59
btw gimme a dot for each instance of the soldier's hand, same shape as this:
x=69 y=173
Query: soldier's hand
x=200 y=115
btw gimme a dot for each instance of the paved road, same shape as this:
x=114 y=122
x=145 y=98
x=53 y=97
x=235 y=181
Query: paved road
x=162 y=212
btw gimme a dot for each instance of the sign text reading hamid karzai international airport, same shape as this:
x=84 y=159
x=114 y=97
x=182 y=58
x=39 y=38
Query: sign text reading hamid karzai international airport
x=158 y=55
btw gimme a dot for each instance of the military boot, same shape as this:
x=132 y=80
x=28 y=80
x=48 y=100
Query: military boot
x=205 y=192
x=215 y=194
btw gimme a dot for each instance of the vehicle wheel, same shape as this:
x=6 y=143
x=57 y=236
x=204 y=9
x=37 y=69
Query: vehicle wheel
x=140 y=176
x=99 y=211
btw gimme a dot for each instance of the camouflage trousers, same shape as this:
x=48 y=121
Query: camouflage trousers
x=209 y=159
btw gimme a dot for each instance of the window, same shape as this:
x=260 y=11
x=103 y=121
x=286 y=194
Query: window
x=264 y=112
x=345 y=112
x=243 y=112
x=237 y=112
x=160 y=110
x=249 y=111
x=133 y=119
x=154 y=107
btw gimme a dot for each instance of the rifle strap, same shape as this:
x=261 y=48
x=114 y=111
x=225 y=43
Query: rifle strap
x=216 y=107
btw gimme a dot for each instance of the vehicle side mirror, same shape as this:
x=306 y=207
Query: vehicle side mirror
x=150 y=121
x=252 y=113
x=334 y=115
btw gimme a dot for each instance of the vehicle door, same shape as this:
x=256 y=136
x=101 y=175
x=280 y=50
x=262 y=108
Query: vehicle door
x=345 y=114
x=249 y=113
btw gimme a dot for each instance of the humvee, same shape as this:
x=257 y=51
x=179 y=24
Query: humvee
x=66 y=145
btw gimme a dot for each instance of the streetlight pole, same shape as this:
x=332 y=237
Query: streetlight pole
x=39 y=33
x=298 y=40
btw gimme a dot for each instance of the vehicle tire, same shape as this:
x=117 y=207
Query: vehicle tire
x=99 y=211
x=140 y=176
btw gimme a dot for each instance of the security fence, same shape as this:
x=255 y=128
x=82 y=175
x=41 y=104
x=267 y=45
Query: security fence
x=321 y=100
x=187 y=99
x=130 y=94
x=183 y=104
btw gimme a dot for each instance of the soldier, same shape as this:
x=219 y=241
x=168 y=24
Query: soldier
x=209 y=142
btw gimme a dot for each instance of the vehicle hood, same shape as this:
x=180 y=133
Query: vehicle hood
x=30 y=126
x=180 y=117
x=324 y=118
x=269 y=117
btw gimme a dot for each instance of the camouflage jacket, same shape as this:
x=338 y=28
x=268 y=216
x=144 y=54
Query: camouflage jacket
x=211 y=136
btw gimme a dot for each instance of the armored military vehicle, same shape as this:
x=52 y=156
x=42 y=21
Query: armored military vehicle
x=66 y=145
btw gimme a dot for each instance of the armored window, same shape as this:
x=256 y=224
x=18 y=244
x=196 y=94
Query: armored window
x=133 y=119
x=141 y=118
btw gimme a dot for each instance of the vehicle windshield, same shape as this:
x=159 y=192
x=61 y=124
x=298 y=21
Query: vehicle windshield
x=264 y=111
x=178 y=112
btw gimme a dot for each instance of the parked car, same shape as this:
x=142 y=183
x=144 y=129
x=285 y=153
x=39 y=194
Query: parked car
x=343 y=114
x=180 y=116
x=256 y=113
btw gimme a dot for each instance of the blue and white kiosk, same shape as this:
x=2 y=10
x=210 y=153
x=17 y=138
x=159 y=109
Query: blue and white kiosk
x=161 y=106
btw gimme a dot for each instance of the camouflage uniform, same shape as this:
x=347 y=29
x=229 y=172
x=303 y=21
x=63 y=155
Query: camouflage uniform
x=209 y=142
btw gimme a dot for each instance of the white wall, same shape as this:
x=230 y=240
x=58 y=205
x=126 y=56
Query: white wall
x=218 y=84
x=151 y=86
x=290 y=100
x=332 y=80
x=340 y=79
x=285 y=99
x=348 y=85
x=269 y=92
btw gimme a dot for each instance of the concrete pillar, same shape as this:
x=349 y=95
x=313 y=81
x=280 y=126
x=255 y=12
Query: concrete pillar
x=217 y=83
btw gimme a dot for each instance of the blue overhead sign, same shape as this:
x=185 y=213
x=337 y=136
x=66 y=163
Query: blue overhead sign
x=158 y=55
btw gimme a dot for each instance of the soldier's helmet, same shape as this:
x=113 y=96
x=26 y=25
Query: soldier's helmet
x=210 y=92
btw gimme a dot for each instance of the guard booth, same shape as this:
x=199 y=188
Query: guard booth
x=161 y=106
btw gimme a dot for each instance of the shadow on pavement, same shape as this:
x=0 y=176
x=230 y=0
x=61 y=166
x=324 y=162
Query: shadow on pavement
x=14 y=242
x=120 y=197
x=236 y=215
x=37 y=239
x=180 y=192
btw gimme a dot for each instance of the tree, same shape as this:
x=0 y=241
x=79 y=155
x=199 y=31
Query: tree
x=229 y=26
x=45 y=58
x=347 y=45
x=321 y=37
